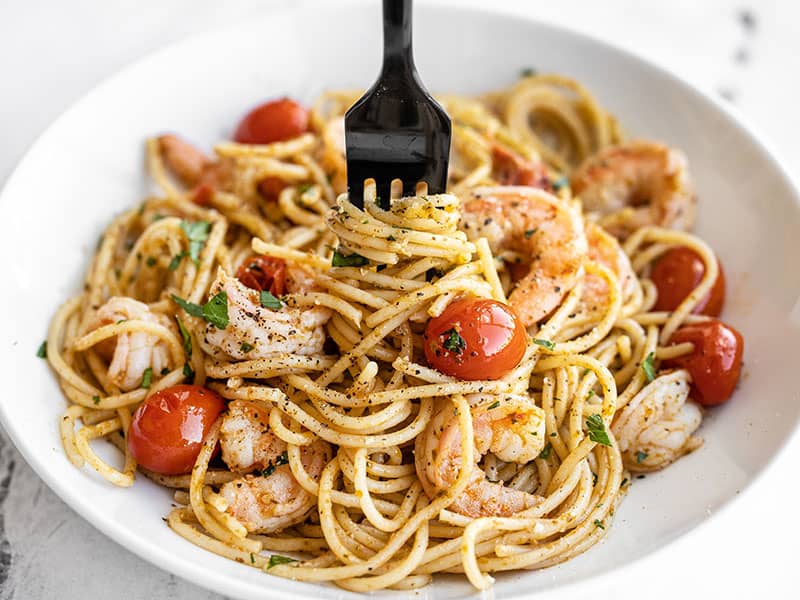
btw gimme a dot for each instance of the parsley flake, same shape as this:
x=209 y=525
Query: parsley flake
x=270 y=301
x=187 y=338
x=351 y=260
x=561 y=182
x=599 y=523
x=151 y=261
x=188 y=372
x=545 y=453
x=640 y=456
x=252 y=559
x=544 y=343
x=147 y=378
x=197 y=234
x=277 y=559
x=42 y=351
x=597 y=430
x=245 y=347
x=494 y=404
x=96 y=399
x=454 y=342
x=529 y=233
x=215 y=311
x=527 y=72
x=190 y=307
x=176 y=261
x=648 y=368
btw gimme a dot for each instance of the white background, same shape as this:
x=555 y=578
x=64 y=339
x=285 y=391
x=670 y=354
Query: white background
x=51 y=53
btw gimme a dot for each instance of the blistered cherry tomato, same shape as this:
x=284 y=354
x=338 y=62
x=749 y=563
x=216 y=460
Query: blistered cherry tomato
x=475 y=339
x=273 y=121
x=676 y=273
x=715 y=363
x=167 y=430
x=270 y=187
x=260 y=272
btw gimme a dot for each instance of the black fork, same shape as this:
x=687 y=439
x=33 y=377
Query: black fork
x=396 y=130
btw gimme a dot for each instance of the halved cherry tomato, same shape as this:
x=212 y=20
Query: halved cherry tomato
x=715 y=363
x=272 y=121
x=676 y=273
x=167 y=430
x=475 y=339
x=270 y=187
x=511 y=169
x=260 y=272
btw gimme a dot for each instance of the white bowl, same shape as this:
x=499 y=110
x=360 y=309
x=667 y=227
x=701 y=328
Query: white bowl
x=88 y=167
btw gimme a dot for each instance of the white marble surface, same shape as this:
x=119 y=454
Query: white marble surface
x=53 y=52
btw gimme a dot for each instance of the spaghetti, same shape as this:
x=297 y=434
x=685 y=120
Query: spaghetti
x=341 y=445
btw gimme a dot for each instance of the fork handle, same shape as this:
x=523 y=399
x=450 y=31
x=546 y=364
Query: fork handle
x=398 y=59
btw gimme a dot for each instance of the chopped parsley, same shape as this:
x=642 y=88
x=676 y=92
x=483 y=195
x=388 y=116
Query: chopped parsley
x=351 y=260
x=96 y=399
x=165 y=371
x=494 y=404
x=42 y=351
x=648 y=368
x=252 y=559
x=433 y=272
x=176 y=261
x=197 y=234
x=187 y=338
x=215 y=311
x=147 y=378
x=529 y=233
x=544 y=343
x=624 y=481
x=640 y=456
x=151 y=261
x=188 y=372
x=303 y=188
x=561 y=182
x=545 y=453
x=245 y=347
x=270 y=301
x=454 y=342
x=190 y=307
x=597 y=430
x=599 y=523
x=590 y=394
x=277 y=559
x=594 y=479
x=283 y=459
x=528 y=72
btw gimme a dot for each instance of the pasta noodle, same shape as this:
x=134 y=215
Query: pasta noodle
x=346 y=389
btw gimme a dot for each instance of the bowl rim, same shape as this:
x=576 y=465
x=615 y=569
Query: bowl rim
x=197 y=574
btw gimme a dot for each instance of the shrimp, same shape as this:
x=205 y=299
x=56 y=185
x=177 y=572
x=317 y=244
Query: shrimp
x=605 y=249
x=656 y=427
x=130 y=354
x=534 y=224
x=272 y=499
x=512 y=427
x=640 y=183
x=509 y=168
x=193 y=168
x=254 y=331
